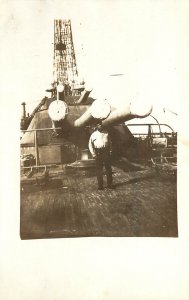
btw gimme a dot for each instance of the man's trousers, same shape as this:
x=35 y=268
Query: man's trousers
x=103 y=159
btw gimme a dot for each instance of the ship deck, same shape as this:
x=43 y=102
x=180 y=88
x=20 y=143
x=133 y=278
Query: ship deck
x=144 y=204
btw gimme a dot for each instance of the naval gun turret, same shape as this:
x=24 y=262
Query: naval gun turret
x=67 y=125
x=61 y=124
x=100 y=111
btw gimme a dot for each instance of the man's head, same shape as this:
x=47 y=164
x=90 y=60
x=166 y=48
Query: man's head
x=99 y=127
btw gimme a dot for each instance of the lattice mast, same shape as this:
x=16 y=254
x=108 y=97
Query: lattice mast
x=64 y=66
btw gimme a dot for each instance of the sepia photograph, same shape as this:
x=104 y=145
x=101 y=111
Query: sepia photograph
x=94 y=149
x=98 y=157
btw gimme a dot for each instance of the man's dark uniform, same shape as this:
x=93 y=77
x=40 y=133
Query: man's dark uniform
x=99 y=146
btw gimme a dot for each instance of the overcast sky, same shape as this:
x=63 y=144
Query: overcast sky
x=144 y=40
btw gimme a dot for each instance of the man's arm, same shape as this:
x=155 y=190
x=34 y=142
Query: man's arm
x=91 y=147
x=110 y=143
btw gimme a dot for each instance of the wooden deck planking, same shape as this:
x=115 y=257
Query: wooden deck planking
x=143 y=204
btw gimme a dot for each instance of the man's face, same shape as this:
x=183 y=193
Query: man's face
x=99 y=127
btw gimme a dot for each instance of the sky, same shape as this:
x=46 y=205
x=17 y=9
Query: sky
x=143 y=40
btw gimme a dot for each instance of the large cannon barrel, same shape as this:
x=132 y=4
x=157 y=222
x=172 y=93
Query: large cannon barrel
x=128 y=112
x=58 y=110
x=84 y=120
x=118 y=116
x=101 y=111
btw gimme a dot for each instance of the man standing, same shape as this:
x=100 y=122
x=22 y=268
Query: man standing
x=99 y=146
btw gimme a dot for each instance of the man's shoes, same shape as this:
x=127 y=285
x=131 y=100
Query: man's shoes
x=100 y=188
x=112 y=187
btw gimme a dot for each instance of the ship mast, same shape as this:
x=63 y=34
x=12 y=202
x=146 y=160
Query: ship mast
x=64 y=64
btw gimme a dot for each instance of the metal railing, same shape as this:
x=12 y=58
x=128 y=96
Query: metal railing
x=150 y=132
